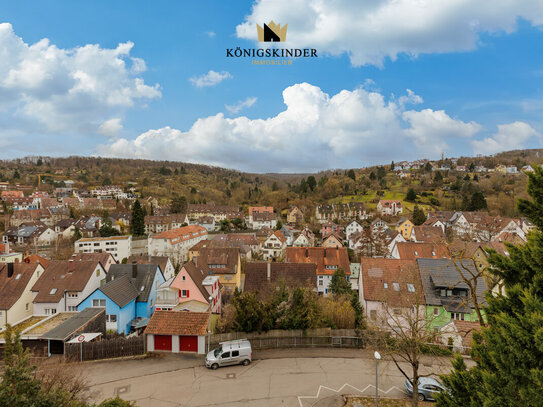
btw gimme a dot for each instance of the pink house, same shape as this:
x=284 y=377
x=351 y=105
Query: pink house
x=190 y=290
x=328 y=228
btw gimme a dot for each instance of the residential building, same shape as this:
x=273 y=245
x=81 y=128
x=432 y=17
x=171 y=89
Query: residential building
x=65 y=228
x=389 y=207
x=332 y=240
x=306 y=238
x=106 y=259
x=405 y=227
x=161 y=223
x=390 y=289
x=177 y=331
x=329 y=227
x=288 y=232
x=259 y=220
x=412 y=251
x=447 y=295
x=352 y=228
x=259 y=209
x=16 y=280
x=219 y=212
x=30 y=234
x=274 y=246
x=327 y=261
x=355 y=277
x=164 y=262
x=428 y=234
x=207 y=222
x=295 y=215
x=348 y=211
x=120 y=247
x=33 y=215
x=460 y=333
x=175 y=243
x=222 y=262
x=64 y=283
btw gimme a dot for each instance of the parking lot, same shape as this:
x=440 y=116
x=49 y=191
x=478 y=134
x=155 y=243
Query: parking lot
x=289 y=377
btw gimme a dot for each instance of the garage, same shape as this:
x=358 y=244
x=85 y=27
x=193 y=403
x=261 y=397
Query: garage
x=177 y=331
x=188 y=343
x=163 y=342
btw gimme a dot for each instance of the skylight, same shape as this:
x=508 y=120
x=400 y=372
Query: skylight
x=411 y=288
x=53 y=291
x=396 y=286
x=18 y=276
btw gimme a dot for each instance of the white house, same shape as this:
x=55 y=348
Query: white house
x=274 y=246
x=175 y=243
x=258 y=220
x=64 y=284
x=351 y=228
x=119 y=246
x=306 y=238
x=389 y=207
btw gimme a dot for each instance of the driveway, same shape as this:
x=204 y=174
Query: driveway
x=285 y=377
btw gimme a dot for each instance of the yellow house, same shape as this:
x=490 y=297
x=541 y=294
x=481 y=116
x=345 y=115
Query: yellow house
x=502 y=169
x=11 y=257
x=16 y=280
x=294 y=215
x=405 y=228
x=224 y=263
x=194 y=251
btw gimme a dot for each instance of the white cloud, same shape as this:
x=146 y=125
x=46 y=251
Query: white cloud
x=210 y=34
x=240 y=105
x=211 y=78
x=410 y=98
x=48 y=90
x=315 y=131
x=371 y=31
x=510 y=136
x=110 y=128
x=430 y=130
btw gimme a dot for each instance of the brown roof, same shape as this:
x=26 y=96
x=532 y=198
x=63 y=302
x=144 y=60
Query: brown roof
x=161 y=261
x=396 y=274
x=200 y=245
x=280 y=236
x=182 y=233
x=34 y=258
x=260 y=209
x=229 y=257
x=412 y=251
x=63 y=275
x=466 y=250
x=295 y=274
x=466 y=329
x=11 y=288
x=178 y=323
x=429 y=234
x=322 y=257
x=102 y=257
x=197 y=275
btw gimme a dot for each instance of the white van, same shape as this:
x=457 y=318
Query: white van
x=230 y=353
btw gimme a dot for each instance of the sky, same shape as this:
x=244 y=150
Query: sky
x=394 y=80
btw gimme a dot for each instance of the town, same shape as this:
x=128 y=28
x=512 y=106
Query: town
x=92 y=272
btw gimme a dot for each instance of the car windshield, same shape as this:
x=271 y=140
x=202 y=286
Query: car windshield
x=217 y=351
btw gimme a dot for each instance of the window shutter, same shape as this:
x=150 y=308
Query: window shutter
x=188 y=294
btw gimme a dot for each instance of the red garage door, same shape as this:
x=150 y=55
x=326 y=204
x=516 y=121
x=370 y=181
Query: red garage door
x=163 y=342
x=188 y=343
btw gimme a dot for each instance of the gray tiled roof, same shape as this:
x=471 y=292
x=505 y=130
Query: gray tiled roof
x=120 y=290
x=72 y=325
x=143 y=280
x=442 y=273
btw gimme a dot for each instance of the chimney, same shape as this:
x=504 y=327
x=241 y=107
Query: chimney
x=134 y=270
x=10 y=269
x=269 y=271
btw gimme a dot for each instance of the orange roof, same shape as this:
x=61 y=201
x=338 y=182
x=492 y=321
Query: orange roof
x=34 y=258
x=322 y=257
x=260 y=209
x=178 y=323
x=182 y=233
x=390 y=202
x=280 y=236
x=412 y=251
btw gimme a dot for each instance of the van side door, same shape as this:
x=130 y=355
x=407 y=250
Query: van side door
x=235 y=357
x=225 y=359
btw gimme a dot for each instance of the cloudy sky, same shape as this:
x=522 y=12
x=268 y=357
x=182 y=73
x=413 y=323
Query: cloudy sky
x=394 y=80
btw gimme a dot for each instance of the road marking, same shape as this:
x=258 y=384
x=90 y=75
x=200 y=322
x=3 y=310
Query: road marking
x=321 y=387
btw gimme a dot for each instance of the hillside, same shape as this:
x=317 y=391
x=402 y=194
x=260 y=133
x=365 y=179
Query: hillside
x=163 y=180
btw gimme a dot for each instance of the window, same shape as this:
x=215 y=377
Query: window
x=457 y=316
x=410 y=288
x=396 y=286
x=225 y=355
x=416 y=253
x=433 y=253
x=397 y=311
x=97 y=272
x=184 y=293
x=50 y=311
x=385 y=285
x=111 y=318
x=73 y=295
x=183 y=278
x=18 y=276
x=98 y=303
x=235 y=353
x=436 y=311
x=72 y=308
x=53 y=291
x=27 y=306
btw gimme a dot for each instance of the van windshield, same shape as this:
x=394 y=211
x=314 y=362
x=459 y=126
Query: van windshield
x=217 y=351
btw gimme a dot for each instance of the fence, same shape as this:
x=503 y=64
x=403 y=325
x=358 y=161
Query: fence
x=112 y=348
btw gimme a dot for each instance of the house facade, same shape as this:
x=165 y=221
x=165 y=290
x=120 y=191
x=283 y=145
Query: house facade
x=120 y=247
x=274 y=246
x=175 y=243
x=389 y=207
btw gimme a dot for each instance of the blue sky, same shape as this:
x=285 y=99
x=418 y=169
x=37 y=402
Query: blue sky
x=475 y=81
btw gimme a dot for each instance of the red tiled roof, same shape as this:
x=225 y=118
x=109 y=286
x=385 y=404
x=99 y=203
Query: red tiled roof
x=375 y=272
x=412 y=251
x=178 y=323
x=182 y=233
x=260 y=209
x=322 y=257
x=389 y=202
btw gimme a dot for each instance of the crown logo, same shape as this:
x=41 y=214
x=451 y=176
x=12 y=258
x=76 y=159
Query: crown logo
x=272 y=32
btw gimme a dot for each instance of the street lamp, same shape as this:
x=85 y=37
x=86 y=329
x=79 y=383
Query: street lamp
x=377 y=356
x=209 y=324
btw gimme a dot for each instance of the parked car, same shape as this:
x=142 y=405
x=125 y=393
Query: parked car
x=427 y=389
x=230 y=353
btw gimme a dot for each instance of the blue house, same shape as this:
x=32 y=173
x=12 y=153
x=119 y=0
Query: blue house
x=129 y=295
x=118 y=297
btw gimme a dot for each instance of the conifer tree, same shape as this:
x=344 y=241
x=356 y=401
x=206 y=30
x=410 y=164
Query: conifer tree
x=138 y=219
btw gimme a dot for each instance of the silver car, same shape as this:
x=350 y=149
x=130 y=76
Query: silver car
x=230 y=353
x=427 y=389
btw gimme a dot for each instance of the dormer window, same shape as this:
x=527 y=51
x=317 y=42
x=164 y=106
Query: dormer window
x=416 y=253
x=396 y=286
x=433 y=253
x=53 y=291
x=411 y=288
x=18 y=276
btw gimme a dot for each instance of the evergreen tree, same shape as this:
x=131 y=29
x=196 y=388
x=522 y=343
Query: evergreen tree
x=311 y=182
x=339 y=283
x=179 y=204
x=509 y=351
x=351 y=175
x=478 y=201
x=428 y=167
x=471 y=167
x=411 y=195
x=372 y=176
x=137 y=222
x=438 y=177
x=418 y=217
x=392 y=166
x=279 y=224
